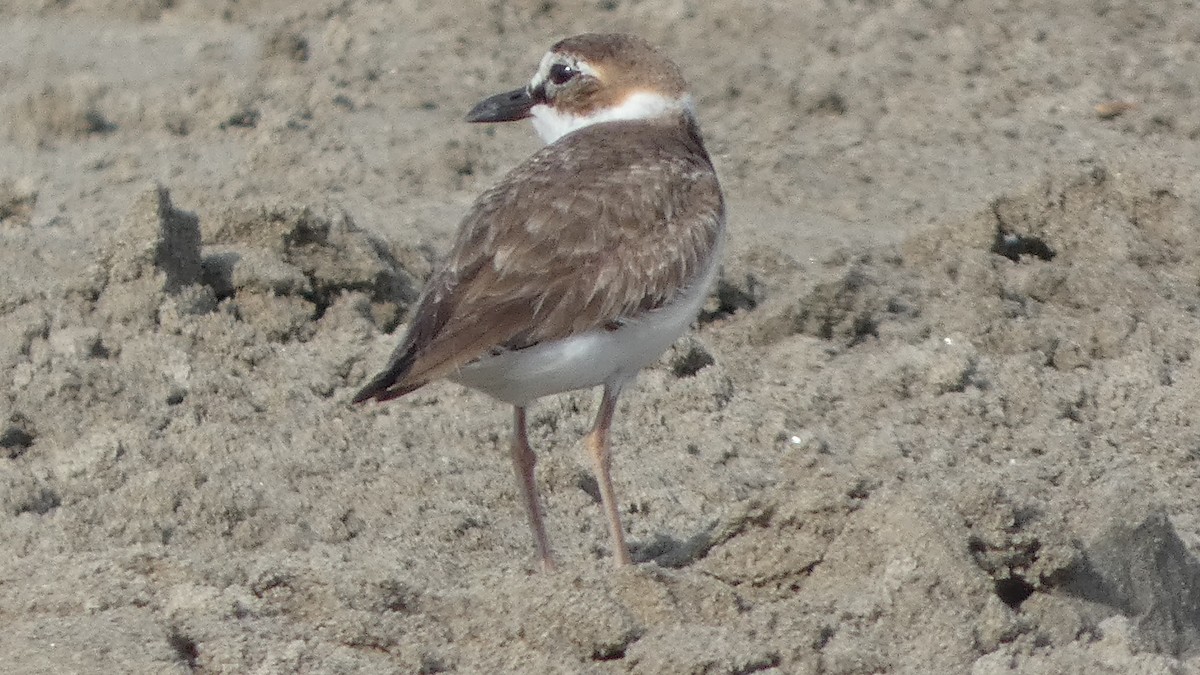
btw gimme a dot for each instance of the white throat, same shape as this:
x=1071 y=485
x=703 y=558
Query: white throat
x=552 y=124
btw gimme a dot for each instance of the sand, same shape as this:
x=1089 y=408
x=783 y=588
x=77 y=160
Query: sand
x=939 y=415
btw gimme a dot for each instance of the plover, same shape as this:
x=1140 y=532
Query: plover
x=585 y=262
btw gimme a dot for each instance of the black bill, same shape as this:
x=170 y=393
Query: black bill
x=507 y=107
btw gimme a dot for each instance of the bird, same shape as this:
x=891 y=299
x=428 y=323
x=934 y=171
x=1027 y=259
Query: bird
x=584 y=263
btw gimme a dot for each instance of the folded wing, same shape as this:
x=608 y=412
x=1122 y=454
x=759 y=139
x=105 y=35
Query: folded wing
x=582 y=235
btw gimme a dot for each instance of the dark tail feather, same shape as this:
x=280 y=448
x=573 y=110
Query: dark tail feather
x=383 y=387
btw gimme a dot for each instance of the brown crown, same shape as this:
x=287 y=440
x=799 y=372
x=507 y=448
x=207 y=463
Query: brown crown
x=623 y=63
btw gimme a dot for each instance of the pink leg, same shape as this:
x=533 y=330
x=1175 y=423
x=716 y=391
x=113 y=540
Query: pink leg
x=598 y=448
x=523 y=463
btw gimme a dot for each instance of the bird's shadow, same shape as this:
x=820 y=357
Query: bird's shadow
x=668 y=551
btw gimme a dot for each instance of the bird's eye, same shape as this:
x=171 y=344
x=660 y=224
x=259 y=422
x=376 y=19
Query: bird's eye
x=561 y=73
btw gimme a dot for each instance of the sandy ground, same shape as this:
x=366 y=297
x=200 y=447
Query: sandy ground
x=940 y=416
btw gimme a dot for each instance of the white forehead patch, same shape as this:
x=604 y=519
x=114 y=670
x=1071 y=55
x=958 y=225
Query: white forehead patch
x=552 y=124
x=543 y=70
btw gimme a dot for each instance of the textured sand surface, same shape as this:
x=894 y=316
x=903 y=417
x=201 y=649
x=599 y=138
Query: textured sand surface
x=939 y=416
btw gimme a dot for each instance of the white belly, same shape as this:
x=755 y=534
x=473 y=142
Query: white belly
x=589 y=359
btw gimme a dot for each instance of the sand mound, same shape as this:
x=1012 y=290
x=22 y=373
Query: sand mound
x=1031 y=371
x=938 y=416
